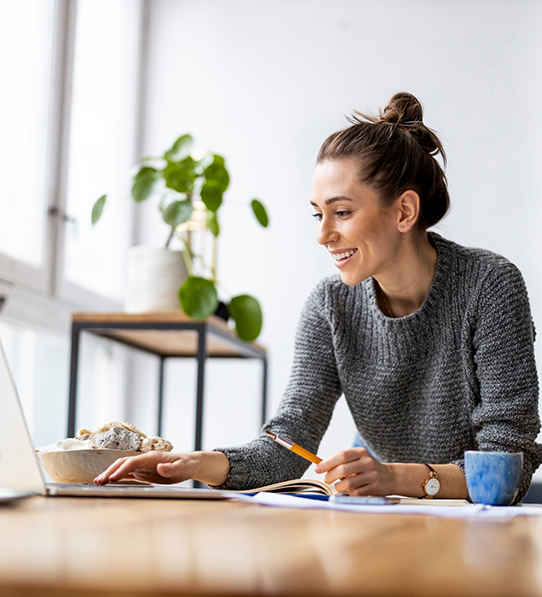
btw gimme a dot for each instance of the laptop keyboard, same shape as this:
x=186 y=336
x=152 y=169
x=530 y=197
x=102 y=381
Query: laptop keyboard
x=92 y=487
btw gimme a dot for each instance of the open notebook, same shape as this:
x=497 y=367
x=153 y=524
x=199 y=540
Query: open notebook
x=297 y=486
x=21 y=474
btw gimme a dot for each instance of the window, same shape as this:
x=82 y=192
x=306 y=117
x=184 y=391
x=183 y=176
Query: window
x=26 y=72
x=68 y=130
x=101 y=149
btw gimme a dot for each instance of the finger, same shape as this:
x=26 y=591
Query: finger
x=349 y=469
x=147 y=476
x=121 y=468
x=130 y=465
x=172 y=470
x=340 y=458
x=366 y=490
x=103 y=478
x=363 y=463
x=364 y=484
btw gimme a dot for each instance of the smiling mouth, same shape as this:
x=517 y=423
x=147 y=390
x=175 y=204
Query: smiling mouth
x=339 y=257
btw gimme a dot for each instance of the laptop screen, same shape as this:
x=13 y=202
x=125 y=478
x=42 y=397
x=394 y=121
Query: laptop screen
x=19 y=467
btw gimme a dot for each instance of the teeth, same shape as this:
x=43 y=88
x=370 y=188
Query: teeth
x=339 y=256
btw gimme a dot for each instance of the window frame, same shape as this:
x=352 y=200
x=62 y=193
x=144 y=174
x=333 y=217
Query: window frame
x=27 y=288
x=15 y=273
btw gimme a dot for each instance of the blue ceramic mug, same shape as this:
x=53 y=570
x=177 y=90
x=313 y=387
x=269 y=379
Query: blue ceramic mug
x=493 y=477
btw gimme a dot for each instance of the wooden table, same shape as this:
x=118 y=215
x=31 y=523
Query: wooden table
x=110 y=547
x=165 y=334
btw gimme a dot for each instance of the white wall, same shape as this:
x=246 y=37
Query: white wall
x=264 y=82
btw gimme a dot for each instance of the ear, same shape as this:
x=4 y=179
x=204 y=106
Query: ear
x=409 y=209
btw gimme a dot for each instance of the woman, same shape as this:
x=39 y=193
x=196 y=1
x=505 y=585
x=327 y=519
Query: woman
x=430 y=342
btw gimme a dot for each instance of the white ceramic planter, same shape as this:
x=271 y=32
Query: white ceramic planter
x=154 y=277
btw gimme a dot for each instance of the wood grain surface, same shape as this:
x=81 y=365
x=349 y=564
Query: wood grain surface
x=105 y=547
x=167 y=342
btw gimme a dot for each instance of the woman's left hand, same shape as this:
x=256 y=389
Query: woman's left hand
x=357 y=473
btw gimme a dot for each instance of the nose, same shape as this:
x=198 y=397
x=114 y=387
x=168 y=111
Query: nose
x=326 y=232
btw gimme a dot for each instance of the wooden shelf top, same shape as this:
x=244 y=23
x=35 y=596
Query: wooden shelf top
x=150 y=317
x=221 y=340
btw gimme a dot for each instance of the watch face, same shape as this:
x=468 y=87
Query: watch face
x=432 y=487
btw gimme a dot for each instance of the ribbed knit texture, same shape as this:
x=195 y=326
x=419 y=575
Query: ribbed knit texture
x=458 y=374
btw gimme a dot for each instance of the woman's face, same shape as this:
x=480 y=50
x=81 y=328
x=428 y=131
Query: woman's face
x=362 y=237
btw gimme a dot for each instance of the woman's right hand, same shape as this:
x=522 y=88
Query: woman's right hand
x=166 y=467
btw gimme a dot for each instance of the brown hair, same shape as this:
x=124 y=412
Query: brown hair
x=396 y=153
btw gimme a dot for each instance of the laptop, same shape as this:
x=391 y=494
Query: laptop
x=21 y=474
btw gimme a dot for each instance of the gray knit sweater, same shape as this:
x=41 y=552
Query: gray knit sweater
x=458 y=374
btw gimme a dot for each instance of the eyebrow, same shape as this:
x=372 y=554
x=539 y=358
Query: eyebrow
x=333 y=200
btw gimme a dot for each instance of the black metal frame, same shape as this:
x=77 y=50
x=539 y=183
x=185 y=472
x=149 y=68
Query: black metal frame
x=204 y=328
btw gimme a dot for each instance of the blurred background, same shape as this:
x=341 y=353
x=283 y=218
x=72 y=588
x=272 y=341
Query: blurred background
x=88 y=87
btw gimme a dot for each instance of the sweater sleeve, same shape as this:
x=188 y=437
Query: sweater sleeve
x=506 y=416
x=305 y=410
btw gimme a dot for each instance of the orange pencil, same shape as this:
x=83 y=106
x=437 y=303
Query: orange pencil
x=295 y=448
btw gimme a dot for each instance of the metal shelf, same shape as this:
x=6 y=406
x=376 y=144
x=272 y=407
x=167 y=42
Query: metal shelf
x=165 y=334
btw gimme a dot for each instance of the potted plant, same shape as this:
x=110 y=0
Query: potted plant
x=190 y=193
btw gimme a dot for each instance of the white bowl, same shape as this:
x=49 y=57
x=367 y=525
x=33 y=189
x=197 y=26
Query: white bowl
x=79 y=466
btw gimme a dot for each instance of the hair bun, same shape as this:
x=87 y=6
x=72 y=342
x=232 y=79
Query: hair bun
x=403 y=108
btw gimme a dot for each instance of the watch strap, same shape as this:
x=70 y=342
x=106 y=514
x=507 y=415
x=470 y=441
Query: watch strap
x=430 y=470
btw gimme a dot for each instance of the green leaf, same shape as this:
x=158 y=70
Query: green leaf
x=143 y=183
x=177 y=212
x=199 y=298
x=218 y=160
x=98 y=208
x=245 y=310
x=211 y=221
x=211 y=194
x=180 y=149
x=260 y=212
x=180 y=176
x=206 y=161
x=217 y=172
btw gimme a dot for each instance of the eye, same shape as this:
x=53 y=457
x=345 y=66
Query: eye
x=317 y=217
x=342 y=214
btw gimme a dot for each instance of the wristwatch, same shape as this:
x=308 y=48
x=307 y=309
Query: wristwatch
x=432 y=485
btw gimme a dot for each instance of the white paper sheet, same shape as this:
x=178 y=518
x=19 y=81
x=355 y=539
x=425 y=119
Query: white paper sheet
x=474 y=510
